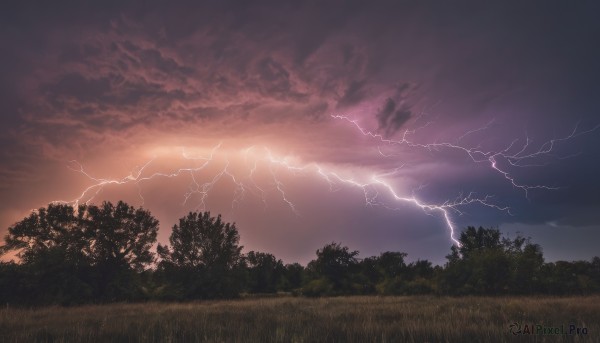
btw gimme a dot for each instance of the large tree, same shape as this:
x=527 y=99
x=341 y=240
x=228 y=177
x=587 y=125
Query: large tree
x=92 y=251
x=120 y=235
x=119 y=241
x=385 y=272
x=57 y=227
x=486 y=263
x=264 y=272
x=117 y=234
x=204 y=258
x=333 y=271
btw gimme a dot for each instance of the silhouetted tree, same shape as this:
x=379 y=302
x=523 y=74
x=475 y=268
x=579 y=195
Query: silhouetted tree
x=16 y=285
x=473 y=241
x=420 y=268
x=479 y=265
x=264 y=272
x=119 y=240
x=371 y=273
x=392 y=264
x=333 y=270
x=486 y=263
x=54 y=268
x=420 y=278
x=293 y=277
x=526 y=261
x=56 y=227
x=102 y=253
x=119 y=235
x=595 y=272
x=387 y=272
x=204 y=260
x=93 y=253
x=577 y=277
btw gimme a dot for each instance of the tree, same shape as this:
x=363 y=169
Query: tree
x=420 y=268
x=56 y=227
x=119 y=241
x=595 y=272
x=474 y=240
x=53 y=268
x=576 y=277
x=264 y=272
x=486 y=263
x=478 y=265
x=391 y=264
x=204 y=258
x=387 y=272
x=76 y=255
x=333 y=270
x=526 y=265
x=293 y=277
x=119 y=235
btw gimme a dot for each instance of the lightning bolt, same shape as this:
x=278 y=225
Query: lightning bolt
x=258 y=157
x=516 y=159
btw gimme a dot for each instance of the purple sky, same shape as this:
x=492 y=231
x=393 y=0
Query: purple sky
x=365 y=123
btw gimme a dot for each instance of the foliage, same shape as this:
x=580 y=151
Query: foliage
x=204 y=260
x=265 y=272
x=485 y=263
x=335 y=266
x=93 y=254
x=70 y=256
x=293 y=277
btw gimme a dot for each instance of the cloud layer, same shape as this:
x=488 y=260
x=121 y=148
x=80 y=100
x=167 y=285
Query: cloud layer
x=116 y=86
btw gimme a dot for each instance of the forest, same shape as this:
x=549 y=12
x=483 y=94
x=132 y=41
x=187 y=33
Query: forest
x=93 y=254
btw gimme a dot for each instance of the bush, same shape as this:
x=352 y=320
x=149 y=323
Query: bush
x=317 y=288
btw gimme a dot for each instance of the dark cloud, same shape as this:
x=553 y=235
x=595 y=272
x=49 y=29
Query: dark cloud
x=275 y=79
x=396 y=112
x=391 y=118
x=353 y=94
x=76 y=85
x=347 y=53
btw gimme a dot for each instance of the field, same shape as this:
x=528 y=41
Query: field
x=289 y=319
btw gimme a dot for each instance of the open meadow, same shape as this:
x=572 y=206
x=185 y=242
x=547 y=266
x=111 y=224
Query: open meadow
x=299 y=319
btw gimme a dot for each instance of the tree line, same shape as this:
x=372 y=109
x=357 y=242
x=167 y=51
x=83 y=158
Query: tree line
x=99 y=254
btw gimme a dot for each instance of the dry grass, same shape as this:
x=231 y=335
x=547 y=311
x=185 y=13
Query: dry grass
x=343 y=319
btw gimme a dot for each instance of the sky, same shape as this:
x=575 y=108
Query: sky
x=383 y=125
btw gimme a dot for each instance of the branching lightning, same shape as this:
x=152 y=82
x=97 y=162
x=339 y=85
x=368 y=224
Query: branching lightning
x=218 y=163
x=516 y=159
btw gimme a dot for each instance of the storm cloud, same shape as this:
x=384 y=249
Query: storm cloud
x=113 y=86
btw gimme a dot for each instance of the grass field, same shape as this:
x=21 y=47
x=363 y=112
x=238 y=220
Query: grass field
x=288 y=319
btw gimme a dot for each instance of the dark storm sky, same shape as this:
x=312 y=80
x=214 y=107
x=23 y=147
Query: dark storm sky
x=114 y=86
